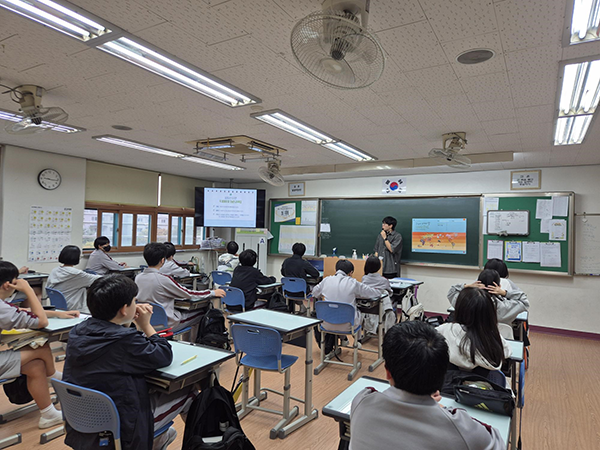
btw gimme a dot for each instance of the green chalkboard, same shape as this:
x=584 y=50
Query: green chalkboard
x=355 y=224
x=295 y=219
x=521 y=202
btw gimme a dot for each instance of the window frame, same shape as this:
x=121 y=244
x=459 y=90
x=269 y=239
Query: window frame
x=136 y=210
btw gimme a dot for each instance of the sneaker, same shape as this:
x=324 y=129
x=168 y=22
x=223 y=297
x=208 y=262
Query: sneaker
x=49 y=423
x=345 y=342
x=165 y=439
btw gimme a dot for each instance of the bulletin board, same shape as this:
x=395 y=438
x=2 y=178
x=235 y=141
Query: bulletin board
x=293 y=221
x=555 y=235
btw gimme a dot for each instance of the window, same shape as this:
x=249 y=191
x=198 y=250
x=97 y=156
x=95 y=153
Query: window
x=131 y=227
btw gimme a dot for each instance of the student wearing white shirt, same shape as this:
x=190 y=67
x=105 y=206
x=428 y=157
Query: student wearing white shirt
x=170 y=267
x=70 y=281
x=99 y=261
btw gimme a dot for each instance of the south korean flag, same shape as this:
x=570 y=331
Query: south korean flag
x=395 y=185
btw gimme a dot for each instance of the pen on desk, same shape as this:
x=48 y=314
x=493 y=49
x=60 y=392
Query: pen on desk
x=189 y=359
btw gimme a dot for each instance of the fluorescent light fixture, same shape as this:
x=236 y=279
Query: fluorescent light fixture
x=161 y=151
x=571 y=130
x=136 y=145
x=61 y=18
x=288 y=123
x=166 y=66
x=207 y=162
x=59 y=127
x=348 y=151
x=584 y=21
x=578 y=101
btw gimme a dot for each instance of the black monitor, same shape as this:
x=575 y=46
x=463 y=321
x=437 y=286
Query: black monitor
x=230 y=207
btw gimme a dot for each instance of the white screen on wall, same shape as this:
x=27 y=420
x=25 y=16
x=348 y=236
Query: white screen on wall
x=230 y=208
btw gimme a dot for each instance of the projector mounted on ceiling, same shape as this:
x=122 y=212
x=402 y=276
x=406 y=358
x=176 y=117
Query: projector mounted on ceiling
x=452 y=143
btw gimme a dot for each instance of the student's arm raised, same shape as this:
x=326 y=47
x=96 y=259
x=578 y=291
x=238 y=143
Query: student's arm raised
x=33 y=302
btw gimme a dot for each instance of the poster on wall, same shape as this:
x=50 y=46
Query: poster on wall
x=439 y=236
x=49 y=231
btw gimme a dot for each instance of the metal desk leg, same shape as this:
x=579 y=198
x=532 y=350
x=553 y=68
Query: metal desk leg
x=310 y=413
x=195 y=283
x=379 y=360
x=10 y=440
x=513 y=421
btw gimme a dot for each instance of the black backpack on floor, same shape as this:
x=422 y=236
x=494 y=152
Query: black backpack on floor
x=277 y=302
x=212 y=423
x=212 y=330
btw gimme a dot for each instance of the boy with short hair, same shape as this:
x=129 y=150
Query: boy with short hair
x=99 y=261
x=170 y=267
x=296 y=266
x=247 y=277
x=229 y=261
x=416 y=358
x=106 y=354
x=37 y=364
x=155 y=287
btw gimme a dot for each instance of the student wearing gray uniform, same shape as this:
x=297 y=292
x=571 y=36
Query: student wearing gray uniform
x=388 y=247
x=70 y=281
x=407 y=414
x=99 y=261
x=170 y=267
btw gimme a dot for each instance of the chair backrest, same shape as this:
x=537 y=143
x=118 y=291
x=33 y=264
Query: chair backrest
x=57 y=299
x=87 y=410
x=506 y=331
x=143 y=267
x=256 y=341
x=335 y=312
x=496 y=376
x=90 y=271
x=220 y=277
x=293 y=285
x=234 y=297
x=159 y=319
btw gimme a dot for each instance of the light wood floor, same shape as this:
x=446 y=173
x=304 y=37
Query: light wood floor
x=562 y=401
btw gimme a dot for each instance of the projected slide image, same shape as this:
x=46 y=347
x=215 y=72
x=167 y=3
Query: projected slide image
x=230 y=208
x=439 y=236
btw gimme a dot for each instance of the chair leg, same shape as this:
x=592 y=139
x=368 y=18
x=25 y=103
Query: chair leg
x=356 y=364
x=321 y=366
x=52 y=434
x=257 y=393
x=287 y=414
x=244 y=409
x=11 y=440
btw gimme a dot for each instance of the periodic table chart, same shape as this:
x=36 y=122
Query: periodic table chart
x=49 y=231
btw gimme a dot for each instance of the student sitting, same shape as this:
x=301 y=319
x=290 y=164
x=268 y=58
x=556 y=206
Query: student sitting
x=509 y=302
x=500 y=266
x=341 y=287
x=156 y=287
x=473 y=338
x=72 y=282
x=247 y=277
x=37 y=364
x=99 y=261
x=373 y=279
x=106 y=354
x=170 y=267
x=406 y=414
x=229 y=261
x=296 y=266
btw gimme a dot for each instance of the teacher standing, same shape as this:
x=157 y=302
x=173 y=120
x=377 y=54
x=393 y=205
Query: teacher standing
x=389 y=246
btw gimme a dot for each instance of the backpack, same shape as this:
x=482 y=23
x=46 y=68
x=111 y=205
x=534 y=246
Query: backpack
x=212 y=423
x=212 y=330
x=17 y=391
x=411 y=308
x=277 y=302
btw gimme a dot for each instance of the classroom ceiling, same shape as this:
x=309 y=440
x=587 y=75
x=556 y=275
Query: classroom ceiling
x=505 y=104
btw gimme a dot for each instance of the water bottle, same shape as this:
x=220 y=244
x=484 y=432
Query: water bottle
x=354 y=255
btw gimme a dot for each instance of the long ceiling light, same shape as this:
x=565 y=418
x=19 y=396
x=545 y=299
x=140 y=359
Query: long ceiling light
x=585 y=19
x=59 y=127
x=288 y=123
x=115 y=140
x=166 y=66
x=578 y=101
x=66 y=19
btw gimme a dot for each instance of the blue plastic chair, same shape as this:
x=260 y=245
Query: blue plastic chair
x=295 y=286
x=88 y=411
x=143 y=267
x=221 y=278
x=263 y=351
x=57 y=299
x=233 y=297
x=498 y=377
x=90 y=271
x=160 y=321
x=337 y=313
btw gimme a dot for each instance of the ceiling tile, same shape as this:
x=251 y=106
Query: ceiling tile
x=487 y=88
x=435 y=82
x=504 y=126
x=500 y=109
x=535 y=114
x=490 y=41
x=458 y=19
x=130 y=15
x=385 y=14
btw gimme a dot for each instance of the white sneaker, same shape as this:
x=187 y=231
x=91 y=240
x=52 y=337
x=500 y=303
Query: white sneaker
x=49 y=423
x=345 y=342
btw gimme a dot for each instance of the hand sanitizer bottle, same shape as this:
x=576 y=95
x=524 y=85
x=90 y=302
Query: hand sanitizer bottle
x=354 y=255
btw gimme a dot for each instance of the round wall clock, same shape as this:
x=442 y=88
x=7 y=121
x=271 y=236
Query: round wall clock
x=49 y=179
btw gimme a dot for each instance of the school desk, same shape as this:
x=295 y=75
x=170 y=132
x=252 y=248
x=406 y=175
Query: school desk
x=339 y=409
x=191 y=364
x=521 y=320
x=266 y=289
x=36 y=279
x=194 y=277
x=290 y=327
x=192 y=304
x=130 y=272
x=58 y=329
x=374 y=306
